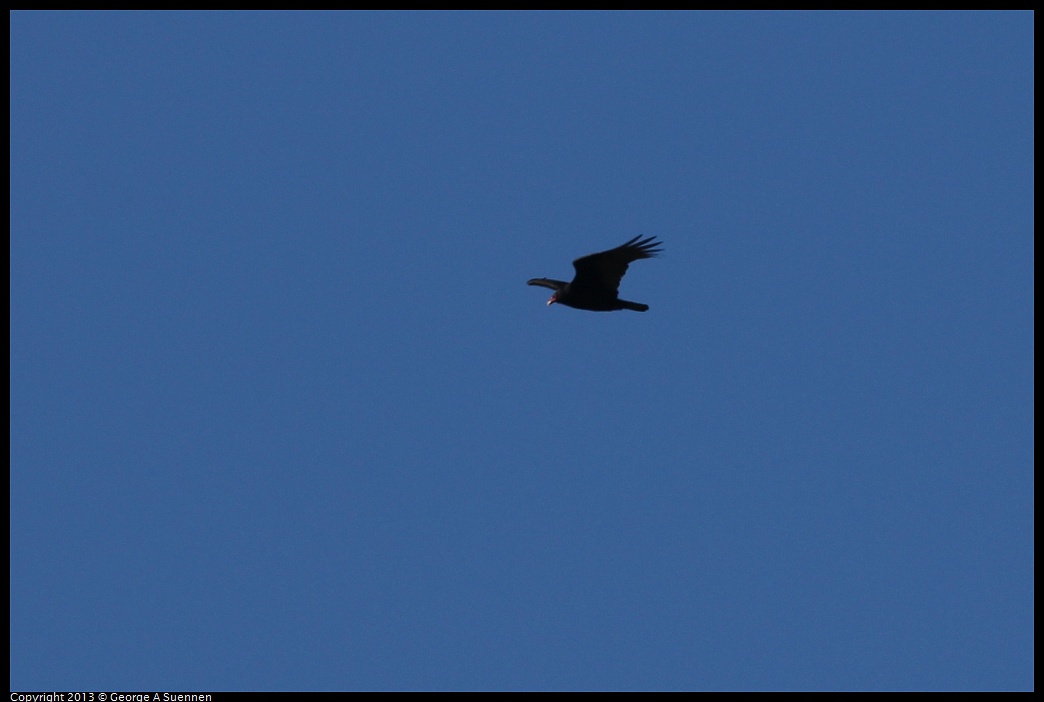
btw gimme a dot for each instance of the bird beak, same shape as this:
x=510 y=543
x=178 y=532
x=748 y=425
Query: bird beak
x=551 y=301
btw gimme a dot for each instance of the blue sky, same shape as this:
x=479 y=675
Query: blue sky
x=284 y=414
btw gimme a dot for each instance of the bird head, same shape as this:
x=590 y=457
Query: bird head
x=553 y=300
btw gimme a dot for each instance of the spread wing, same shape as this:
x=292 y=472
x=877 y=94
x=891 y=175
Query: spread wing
x=555 y=285
x=603 y=271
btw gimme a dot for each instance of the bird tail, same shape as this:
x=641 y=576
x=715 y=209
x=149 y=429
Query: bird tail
x=636 y=306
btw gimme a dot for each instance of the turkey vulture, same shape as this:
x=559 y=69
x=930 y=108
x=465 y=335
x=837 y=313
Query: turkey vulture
x=597 y=278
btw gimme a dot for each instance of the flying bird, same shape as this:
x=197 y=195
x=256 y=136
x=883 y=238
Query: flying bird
x=597 y=279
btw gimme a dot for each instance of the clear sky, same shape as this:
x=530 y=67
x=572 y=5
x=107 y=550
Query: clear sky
x=284 y=414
